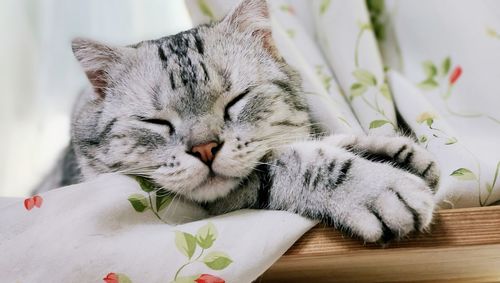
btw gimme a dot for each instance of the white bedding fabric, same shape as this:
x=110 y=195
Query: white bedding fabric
x=85 y=232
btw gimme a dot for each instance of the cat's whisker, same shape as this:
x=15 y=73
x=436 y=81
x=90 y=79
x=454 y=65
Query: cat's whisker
x=169 y=207
x=144 y=171
x=264 y=163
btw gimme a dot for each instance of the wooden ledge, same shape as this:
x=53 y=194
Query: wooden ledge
x=463 y=246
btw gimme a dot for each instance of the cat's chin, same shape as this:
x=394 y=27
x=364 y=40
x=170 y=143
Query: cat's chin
x=213 y=187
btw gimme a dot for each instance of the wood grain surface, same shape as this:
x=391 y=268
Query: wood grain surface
x=462 y=246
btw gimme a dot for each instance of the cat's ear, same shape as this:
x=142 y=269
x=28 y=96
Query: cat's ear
x=97 y=59
x=252 y=16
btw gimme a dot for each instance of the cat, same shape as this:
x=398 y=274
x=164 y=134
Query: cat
x=215 y=115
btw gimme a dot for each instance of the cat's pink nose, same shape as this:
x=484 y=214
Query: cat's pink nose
x=205 y=152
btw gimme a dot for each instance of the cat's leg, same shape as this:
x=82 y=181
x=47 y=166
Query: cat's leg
x=374 y=201
x=401 y=152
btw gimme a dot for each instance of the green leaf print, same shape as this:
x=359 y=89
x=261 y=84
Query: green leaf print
x=357 y=89
x=489 y=187
x=427 y=117
x=325 y=79
x=428 y=84
x=445 y=66
x=206 y=236
x=365 y=77
x=375 y=6
x=378 y=123
x=451 y=140
x=491 y=32
x=138 y=202
x=146 y=185
x=323 y=7
x=205 y=9
x=363 y=26
x=186 y=243
x=429 y=69
x=187 y=279
x=384 y=90
x=496 y=174
x=327 y=82
x=217 y=260
x=423 y=139
x=463 y=174
x=377 y=17
x=163 y=199
x=344 y=121
x=122 y=278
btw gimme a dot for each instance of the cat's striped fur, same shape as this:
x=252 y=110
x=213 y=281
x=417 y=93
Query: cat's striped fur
x=225 y=83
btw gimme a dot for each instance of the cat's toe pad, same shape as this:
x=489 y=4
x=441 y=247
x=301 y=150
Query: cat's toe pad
x=395 y=213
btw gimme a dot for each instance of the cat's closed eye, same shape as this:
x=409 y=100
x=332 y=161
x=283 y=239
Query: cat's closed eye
x=235 y=100
x=160 y=122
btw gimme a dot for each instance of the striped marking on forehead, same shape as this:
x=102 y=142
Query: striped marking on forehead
x=181 y=56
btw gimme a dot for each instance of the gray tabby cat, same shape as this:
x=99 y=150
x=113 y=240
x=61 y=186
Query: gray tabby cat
x=215 y=115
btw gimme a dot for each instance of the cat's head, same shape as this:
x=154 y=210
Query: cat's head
x=196 y=112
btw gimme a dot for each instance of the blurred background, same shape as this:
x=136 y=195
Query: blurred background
x=40 y=79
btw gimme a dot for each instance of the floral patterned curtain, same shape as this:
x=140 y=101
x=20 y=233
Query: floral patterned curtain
x=436 y=63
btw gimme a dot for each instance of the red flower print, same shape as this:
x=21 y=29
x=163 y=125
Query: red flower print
x=455 y=75
x=38 y=201
x=207 y=278
x=29 y=203
x=111 y=278
x=33 y=201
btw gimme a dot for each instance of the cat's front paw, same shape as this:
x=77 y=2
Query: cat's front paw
x=401 y=152
x=372 y=200
x=404 y=205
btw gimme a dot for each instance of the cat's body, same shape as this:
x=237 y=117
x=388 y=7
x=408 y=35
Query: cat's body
x=215 y=115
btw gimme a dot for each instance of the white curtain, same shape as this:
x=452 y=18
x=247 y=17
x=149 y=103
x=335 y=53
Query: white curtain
x=39 y=79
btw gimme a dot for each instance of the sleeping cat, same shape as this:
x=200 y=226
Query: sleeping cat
x=215 y=115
